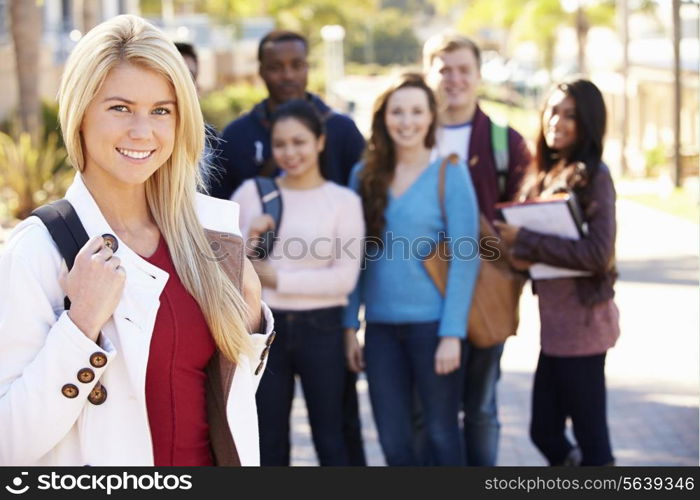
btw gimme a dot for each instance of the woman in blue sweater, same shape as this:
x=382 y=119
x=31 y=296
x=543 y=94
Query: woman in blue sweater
x=413 y=334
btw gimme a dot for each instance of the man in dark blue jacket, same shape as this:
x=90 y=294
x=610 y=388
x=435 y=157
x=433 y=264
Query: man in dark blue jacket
x=245 y=148
x=245 y=153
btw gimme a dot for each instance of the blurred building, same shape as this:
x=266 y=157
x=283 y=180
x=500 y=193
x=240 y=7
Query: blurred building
x=650 y=135
x=226 y=53
x=649 y=89
x=63 y=24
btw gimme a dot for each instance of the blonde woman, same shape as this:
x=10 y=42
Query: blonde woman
x=158 y=324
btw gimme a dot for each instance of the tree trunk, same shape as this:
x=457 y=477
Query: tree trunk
x=625 y=78
x=582 y=27
x=26 y=23
x=548 y=56
x=88 y=14
x=677 y=92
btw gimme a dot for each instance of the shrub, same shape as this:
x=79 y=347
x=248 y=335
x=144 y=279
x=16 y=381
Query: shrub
x=222 y=106
x=32 y=175
x=654 y=159
x=392 y=39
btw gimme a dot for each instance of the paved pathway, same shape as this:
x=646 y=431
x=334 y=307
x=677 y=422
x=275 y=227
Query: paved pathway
x=652 y=372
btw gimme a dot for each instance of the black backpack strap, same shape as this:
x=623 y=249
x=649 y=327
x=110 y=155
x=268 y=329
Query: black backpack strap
x=65 y=228
x=271 y=201
x=270 y=198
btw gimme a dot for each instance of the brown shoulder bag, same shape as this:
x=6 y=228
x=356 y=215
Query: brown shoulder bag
x=493 y=315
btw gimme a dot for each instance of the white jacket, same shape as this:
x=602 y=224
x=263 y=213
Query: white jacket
x=41 y=350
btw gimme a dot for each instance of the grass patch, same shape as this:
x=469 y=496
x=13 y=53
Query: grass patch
x=525 y=121
x=679 y=203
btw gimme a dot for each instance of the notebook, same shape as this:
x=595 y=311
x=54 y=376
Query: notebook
x=557 y=215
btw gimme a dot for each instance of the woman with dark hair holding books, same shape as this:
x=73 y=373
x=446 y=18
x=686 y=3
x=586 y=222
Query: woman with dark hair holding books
x=579 y=320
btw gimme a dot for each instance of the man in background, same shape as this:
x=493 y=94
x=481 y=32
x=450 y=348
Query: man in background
x=189 y=55
x=246 y=153
x=211 y=140
x=453 y=68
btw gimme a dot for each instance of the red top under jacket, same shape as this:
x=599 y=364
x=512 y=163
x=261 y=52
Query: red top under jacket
x=181 y=347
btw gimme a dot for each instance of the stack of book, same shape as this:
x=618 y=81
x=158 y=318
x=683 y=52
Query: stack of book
x=557 y=215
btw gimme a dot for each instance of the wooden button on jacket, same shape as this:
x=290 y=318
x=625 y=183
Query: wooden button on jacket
x=41 y=351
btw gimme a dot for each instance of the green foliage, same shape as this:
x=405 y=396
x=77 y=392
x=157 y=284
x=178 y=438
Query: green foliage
x=445 y=6
x=150 y=7
x=601 y=13
x=222 y=106
x=487 y=13
x=391 y=29
x=414 y=6
x=538 y=22
x=31 y=175
x=532 y=20
x=680 y=202
x=317 y=80
x=49 y=120
x=361 y=69
x=226 y=11
x=526 y=121
x=385 y=38
x=309 y=17
x=654 y=160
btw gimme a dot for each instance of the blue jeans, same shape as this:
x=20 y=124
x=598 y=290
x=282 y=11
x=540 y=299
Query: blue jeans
x=481 y=427
x=400 y=362
x=310 y=344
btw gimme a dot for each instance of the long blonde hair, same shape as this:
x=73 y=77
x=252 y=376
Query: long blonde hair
x=171 y=190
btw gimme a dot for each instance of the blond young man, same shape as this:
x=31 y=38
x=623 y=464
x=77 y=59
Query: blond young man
x=452 y=66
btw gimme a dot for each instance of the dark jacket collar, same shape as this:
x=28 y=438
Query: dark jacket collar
x=480 y=119
x=261 y=112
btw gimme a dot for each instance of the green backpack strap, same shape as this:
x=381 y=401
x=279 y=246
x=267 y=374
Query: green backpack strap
x=499 y=144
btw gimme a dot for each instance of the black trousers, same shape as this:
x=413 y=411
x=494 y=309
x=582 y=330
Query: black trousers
x=571 y=387
x=352 y=427
x=308 y=344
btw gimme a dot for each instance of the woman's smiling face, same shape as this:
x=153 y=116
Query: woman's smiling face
x=128 y=130
x=559 y=123
x=408 y=117
x=296 y=148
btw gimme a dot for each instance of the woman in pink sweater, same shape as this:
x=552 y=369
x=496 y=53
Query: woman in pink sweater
x=306 y=279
